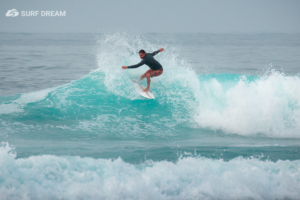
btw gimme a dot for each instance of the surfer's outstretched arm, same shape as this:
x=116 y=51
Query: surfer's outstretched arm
x=137 y=65
x=156 y=52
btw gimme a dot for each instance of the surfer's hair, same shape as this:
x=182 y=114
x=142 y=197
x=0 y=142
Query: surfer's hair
x=142 y=51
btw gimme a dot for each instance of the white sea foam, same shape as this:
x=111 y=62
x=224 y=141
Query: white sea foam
x=9 y=108
x=26 y=98
x=111 y=54
x=53 y=177
x=269 y=105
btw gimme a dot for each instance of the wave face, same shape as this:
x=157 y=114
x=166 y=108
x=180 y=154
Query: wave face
x=72 y=177
x=106 y=102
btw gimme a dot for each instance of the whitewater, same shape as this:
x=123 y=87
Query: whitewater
x=72 y=125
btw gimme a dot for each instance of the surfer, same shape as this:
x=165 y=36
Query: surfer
x=155 y=67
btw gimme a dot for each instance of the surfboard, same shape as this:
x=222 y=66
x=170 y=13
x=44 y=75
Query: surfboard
x=140 y=89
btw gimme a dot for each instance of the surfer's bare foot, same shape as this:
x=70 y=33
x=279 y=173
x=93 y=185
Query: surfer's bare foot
x=146 y=90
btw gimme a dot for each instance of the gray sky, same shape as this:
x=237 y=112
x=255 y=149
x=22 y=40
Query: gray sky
x=167 y=16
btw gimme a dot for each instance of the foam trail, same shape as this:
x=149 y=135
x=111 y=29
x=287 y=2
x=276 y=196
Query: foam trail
x=52 y=177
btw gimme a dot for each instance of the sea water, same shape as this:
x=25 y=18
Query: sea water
x=225 y=123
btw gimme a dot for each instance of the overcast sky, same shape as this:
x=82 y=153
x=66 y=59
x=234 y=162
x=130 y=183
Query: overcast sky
x=167 y=16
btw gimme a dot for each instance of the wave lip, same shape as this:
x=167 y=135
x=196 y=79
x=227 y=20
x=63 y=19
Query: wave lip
x=51 y=177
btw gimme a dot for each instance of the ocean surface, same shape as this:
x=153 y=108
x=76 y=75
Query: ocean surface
x=225 y=123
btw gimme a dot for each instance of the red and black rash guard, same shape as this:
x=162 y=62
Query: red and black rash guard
x=150 y=61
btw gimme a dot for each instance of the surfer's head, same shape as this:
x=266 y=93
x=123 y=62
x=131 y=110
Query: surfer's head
x=142 y=53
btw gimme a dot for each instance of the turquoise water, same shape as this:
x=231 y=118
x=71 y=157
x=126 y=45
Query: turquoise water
x=222 y=135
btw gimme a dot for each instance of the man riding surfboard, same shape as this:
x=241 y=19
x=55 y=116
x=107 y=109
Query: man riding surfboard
x=155 y=67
